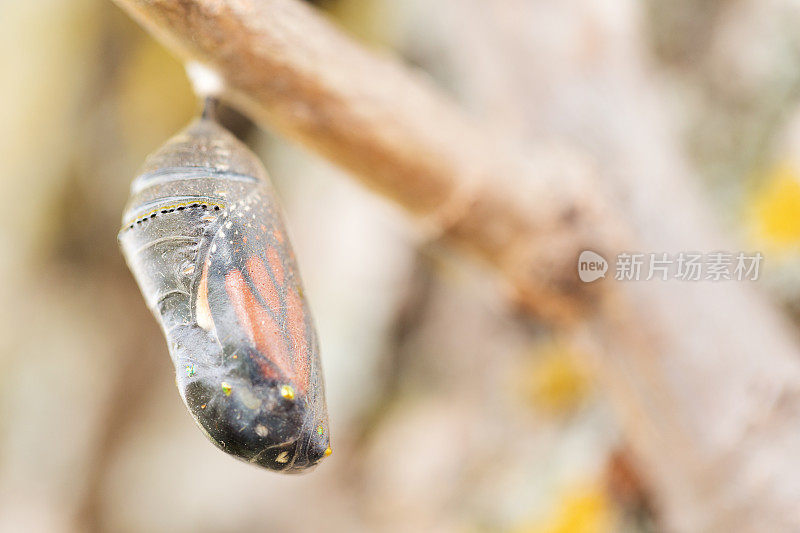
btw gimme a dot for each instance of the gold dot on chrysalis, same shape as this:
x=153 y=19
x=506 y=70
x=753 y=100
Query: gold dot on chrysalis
x=287 y=392
x=328 y=451
x=283 y=457
x=226 y=388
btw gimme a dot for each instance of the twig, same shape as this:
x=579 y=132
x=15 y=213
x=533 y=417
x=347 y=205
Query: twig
x=289 y=68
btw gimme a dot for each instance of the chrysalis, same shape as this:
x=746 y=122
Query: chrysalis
x=204 y=237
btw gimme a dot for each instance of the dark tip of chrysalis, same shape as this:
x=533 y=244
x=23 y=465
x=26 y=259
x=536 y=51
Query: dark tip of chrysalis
x=210 y=108
x=206 y=144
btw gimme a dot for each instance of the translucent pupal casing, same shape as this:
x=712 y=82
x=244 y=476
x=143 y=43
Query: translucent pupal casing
x=205 y=239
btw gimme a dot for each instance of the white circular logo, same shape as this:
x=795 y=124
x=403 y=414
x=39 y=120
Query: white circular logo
x=591 y=266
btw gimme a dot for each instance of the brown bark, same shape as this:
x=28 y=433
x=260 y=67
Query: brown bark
x=289 y=68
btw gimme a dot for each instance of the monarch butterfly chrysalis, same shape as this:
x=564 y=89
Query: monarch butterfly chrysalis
x=204 y=237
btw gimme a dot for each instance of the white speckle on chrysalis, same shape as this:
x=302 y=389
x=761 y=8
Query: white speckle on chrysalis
x=262 y=430
x=283 y=457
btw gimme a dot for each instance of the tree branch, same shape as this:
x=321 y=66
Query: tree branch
x=287 y=67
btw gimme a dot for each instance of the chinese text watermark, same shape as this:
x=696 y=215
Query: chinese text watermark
x=683 y=266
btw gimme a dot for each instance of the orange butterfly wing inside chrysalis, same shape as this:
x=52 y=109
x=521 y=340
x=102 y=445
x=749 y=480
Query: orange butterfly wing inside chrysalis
x=282 y=341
